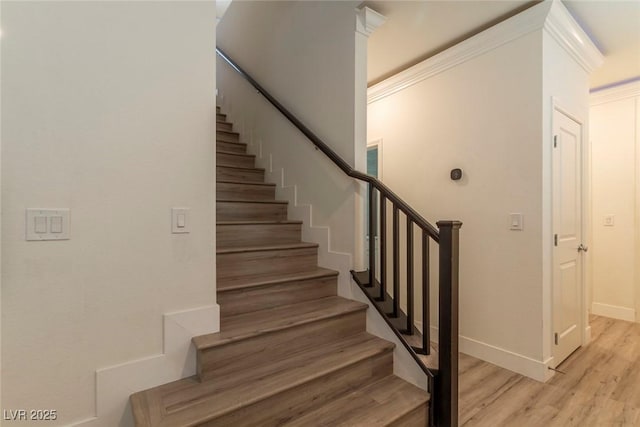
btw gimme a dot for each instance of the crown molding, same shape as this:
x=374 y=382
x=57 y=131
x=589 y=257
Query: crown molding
x=615 y=93
x=550 y=15
x=565 y=30
x=367 y=20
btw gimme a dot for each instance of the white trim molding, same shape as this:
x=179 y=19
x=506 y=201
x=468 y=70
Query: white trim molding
x=535 y=369
x=567 y=32
x=613 y=311
x=551 y=16
x=115 y=384
x=615 y=93
x=367 y=20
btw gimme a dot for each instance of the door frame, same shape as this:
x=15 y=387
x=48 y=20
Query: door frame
x=370 y=144
x=585 y=228
x=377 y=143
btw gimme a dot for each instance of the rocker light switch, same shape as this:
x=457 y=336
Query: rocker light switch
x=515 y=221
x=180 y=220
x=40 y=224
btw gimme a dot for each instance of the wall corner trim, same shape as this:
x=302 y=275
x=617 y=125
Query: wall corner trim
x=114 y=384
x=615 y=93
x=367 y=20
x=549 y=15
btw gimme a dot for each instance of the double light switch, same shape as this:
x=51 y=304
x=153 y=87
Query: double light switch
x=47 y=224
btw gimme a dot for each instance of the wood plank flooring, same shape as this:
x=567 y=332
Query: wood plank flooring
x=600 y=387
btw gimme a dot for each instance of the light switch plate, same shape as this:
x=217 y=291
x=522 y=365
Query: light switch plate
x=47 y=224
x=516 y=221
x=180 y=221
x=609 y=220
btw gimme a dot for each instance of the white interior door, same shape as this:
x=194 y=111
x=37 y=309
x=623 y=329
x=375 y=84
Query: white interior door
x=567 y=239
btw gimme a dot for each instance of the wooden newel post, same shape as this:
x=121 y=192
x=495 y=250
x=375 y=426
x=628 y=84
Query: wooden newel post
x=446 y=383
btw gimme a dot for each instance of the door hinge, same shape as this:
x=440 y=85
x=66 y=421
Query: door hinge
x=555 y=338
x=555 y=141
x=555 y=240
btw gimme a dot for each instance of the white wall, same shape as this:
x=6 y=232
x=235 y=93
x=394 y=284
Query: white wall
x=107 y=109
x=615 y=145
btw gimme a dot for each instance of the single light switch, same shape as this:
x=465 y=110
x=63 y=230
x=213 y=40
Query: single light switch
x=56 y=224
x=609 y=220
x=180 y=220
x=40 y=224
x=516 y=221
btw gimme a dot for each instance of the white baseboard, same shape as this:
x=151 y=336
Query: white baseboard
x=613 y=311
x=115 y=384
x=523 y=365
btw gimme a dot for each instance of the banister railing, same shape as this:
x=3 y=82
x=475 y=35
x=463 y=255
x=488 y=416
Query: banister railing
x=443 y=380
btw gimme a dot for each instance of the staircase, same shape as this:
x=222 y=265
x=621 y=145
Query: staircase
x=290 y=351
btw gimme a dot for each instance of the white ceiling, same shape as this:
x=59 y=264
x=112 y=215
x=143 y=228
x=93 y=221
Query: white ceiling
x=417 y=30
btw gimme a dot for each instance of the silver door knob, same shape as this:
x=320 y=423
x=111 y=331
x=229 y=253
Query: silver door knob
x=583 y=248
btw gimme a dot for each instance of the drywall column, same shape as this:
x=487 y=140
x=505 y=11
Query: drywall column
x=367 y=20
x=615 y=144
x=107 y=109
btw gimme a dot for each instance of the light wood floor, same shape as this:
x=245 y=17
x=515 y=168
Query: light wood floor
x=600 y=387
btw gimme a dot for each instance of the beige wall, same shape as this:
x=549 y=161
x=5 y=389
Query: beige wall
x=615 y=143
x=107 y=109
x=482 y=116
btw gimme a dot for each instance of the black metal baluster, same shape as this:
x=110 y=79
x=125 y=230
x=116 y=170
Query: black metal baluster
x=383 y=248
x=372 y=240
x=426 y=329
x=396 y=261
x=410 y=290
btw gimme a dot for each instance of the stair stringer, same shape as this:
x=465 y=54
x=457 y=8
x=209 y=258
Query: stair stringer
x=114 y=384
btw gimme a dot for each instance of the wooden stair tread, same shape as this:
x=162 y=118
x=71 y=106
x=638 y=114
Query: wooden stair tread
x=227 y=181
x=266 y=280
x=228 y=132
x=258 y=222
x=189 y=402
x=376 y=405
x=267 y=248
x=267 y=202
x=239 y=167
x=247 y=325
x=233 y=153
